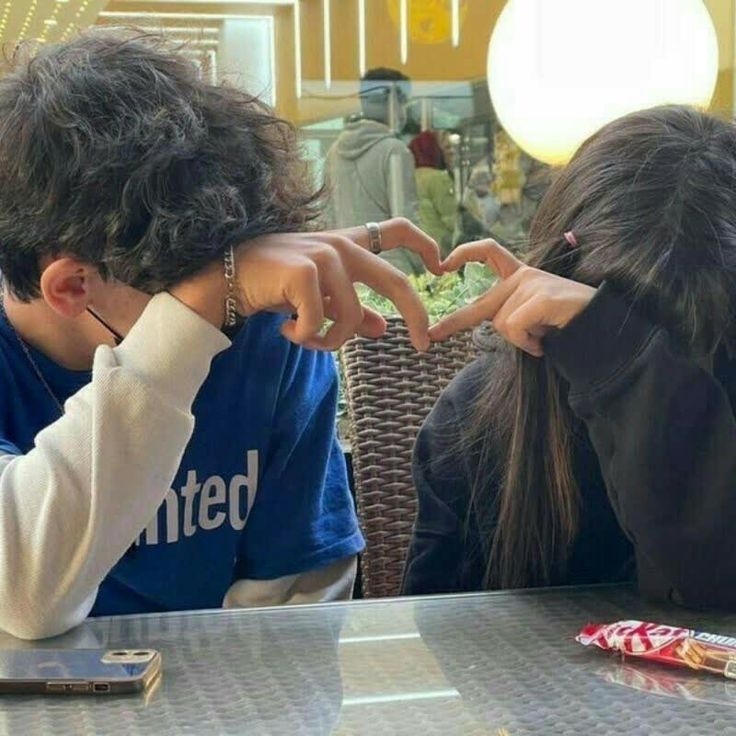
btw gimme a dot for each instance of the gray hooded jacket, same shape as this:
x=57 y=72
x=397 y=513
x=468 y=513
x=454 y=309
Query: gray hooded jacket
x=370 y=174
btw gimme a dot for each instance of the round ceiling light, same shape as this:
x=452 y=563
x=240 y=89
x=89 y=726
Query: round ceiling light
x=558 y=71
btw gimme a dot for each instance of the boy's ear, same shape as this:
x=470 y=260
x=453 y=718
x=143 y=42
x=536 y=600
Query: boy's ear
x=66 y=285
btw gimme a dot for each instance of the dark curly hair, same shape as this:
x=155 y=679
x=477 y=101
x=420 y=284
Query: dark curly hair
x=113 y=150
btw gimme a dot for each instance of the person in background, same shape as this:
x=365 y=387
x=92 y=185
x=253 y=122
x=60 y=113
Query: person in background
x=503 y=193
x=449 y=141
x=369 y=171
x=479 y=200
x=437 y=211
x=599 y=444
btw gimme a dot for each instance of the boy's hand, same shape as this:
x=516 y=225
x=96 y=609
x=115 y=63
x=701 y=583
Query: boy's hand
x=524 y=305
x=312 y=276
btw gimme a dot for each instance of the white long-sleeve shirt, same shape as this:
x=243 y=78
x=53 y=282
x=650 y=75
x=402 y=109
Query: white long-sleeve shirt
x=73 y=505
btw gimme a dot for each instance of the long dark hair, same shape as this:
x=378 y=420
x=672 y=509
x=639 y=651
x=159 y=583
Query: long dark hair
x=651 y=199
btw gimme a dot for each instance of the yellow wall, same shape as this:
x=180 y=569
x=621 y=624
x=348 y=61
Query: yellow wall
x=723 y=13
x=285 y=84
x=426 y=62
x=431 y=62
x=722 y=103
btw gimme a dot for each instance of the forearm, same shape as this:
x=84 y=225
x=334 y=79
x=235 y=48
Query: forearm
x=324 y=585
x=74 y=504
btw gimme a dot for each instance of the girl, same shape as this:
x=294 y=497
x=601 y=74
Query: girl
x=603 y=448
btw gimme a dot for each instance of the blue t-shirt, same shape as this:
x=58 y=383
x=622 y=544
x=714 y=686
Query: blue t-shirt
x=262 y=489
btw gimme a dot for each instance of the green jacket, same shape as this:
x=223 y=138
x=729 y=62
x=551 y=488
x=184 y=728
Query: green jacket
x=437 y=206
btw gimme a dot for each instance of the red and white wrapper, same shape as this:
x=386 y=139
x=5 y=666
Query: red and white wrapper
x=668 y=645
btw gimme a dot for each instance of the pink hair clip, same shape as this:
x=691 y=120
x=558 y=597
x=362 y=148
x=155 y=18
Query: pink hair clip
x=571 y=239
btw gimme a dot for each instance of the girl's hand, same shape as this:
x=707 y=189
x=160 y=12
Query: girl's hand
x=524 y=305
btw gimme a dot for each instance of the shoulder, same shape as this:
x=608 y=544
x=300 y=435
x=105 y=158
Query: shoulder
x=11 y=364
x=458 y=401
x=262 y=348
x=432 y=178
x=447 y=437
x=391 y=142
x=16 y=407
x=391 y=146
x=439 y=177
x=447 y=452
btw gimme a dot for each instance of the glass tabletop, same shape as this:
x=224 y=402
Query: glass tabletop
x=496 y=663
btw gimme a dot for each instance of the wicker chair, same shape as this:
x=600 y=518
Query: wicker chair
x=390 y=390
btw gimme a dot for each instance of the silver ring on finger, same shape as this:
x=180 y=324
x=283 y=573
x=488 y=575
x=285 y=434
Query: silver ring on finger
x=375 y=237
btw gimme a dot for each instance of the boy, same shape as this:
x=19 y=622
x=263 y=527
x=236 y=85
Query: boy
x=182 y=467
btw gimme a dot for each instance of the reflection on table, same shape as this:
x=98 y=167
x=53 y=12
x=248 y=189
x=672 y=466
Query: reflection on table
x=498 y=664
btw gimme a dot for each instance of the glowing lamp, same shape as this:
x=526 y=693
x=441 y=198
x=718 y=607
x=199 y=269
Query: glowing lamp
x=558 y=71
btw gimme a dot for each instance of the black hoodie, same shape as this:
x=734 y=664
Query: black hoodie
x=656 y=467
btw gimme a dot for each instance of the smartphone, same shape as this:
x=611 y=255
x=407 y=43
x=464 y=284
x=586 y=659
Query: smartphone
x=78 y=671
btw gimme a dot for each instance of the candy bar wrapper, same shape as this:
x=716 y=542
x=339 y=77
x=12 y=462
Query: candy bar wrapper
x=666 y=644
